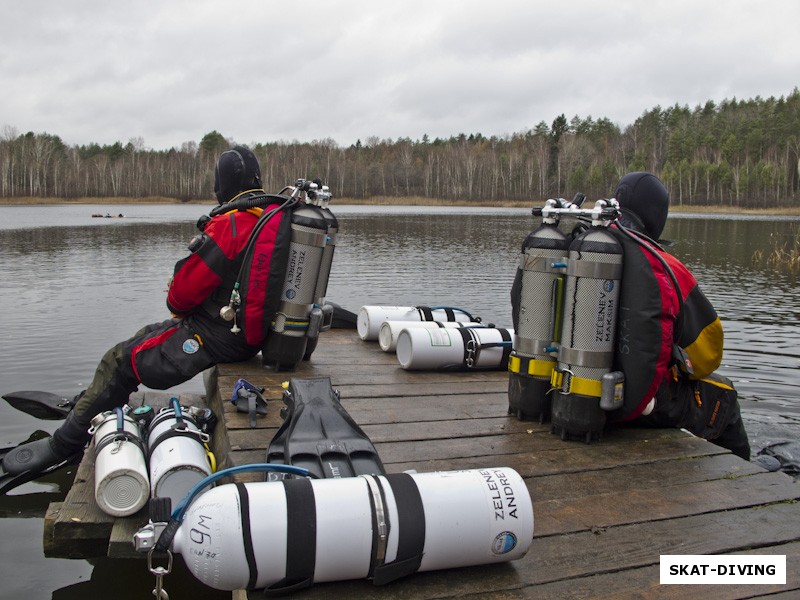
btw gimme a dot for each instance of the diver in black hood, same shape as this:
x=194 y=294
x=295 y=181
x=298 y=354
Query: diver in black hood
x=691 y=394
x=168 y=353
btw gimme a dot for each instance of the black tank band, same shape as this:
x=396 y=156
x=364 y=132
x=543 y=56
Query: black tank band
x=247 y=535
x=411 y=530
x=301 y=538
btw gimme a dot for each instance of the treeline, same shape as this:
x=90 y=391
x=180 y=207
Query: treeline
x=739 y=153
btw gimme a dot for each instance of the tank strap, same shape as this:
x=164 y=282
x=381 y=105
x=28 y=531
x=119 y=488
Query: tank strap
x=576 y=385
x=177 y=431
x=531 y=366
x=301 y=538
x=473 y=346
x=118 y=436
x=380 y=523
x=531 y=346
x=426 y=313
x=411 y=530
x=507 y=344
x=591 y=359
x=596 y=269
x=542 y=264
x=247 y=534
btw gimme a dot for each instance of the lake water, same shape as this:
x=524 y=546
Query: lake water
x=74 y=285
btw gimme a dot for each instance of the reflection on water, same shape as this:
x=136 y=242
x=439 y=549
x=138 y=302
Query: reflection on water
x=73 y=286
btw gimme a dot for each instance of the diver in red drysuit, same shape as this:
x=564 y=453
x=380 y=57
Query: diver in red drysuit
x=168 y=353
x=678 y=386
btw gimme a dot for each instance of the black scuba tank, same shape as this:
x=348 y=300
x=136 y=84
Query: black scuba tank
x=588 y=334
x=537 y=320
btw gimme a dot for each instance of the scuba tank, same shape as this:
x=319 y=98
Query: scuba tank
x=323 y=199
x=538 y=317
x=466 y=348
x=121 y=485
x=299 y=317
x=370 y=318
x=177 y=454
x=287 y=535
x=588 y=333
x=390 y=330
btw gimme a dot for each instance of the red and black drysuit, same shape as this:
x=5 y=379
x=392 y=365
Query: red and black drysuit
x=171 y=352
x=669 y=343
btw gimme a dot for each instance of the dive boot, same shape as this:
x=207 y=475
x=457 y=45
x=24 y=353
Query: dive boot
x=41 y=455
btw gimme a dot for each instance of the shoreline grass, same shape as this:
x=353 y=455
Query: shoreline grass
x=385 y=201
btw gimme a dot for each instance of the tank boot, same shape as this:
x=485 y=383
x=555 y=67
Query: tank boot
x=67 y=441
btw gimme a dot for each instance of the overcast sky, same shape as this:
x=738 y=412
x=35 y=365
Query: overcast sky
x=170 y=71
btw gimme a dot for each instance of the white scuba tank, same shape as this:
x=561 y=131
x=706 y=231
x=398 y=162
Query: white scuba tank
x=178 y=459
x=458 y=349
x=239 y=536
x=121 y=484
x=370 y=318
x=390 y=330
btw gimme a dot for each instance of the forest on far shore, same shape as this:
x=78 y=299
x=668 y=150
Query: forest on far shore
x=738 y=153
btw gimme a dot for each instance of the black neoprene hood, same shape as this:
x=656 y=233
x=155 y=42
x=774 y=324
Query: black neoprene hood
x=644 y=202
x=237 y=171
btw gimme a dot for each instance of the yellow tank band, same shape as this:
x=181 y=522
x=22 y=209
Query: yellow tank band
x=531 y=366
x=577 y=385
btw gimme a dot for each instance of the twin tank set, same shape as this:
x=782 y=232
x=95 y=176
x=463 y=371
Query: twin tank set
x=303 y=313
x=565 y=308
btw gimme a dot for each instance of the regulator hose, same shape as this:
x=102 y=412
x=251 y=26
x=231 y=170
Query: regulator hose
x=253 y=201
x=652 y=247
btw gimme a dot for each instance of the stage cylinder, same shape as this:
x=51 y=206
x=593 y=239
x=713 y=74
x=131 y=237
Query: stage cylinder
x=177 y=454
x=457 y=349
x=456 y=519
x=390 y=330
x=121 y=485
x=370 y=318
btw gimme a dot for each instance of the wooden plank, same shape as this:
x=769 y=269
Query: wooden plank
x=631 y=505
x=674 y=470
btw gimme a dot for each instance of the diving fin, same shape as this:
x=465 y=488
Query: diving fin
x=9 y=481
x=319 y=435
x=42 y=405
x=342 y=318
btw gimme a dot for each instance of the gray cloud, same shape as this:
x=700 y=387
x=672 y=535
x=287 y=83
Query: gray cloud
x=169 y=72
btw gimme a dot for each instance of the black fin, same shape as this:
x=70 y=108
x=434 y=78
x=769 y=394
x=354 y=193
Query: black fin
x=42 y=405
x=318 y=434
x=342 y=318
x=9 y=481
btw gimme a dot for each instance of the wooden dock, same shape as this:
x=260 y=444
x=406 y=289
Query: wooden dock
x=604 y=512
